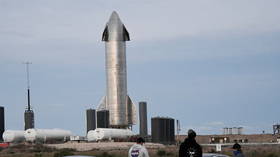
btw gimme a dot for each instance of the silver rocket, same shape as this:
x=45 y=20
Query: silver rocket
x=122 y=111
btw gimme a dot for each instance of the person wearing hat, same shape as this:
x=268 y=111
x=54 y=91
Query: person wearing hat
x=237 y=152
x=190 y=148
x=138 y=150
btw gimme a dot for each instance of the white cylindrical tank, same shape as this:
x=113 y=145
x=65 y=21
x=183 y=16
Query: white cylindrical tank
x=44 y=135
x=13 y=136
x=108 y=133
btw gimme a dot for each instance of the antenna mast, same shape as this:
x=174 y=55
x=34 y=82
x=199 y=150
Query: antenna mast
x=28 y=85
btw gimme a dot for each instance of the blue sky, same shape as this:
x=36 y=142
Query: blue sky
x=211 y=64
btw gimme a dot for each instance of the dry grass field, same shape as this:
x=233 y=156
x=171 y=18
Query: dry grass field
x=162 y=151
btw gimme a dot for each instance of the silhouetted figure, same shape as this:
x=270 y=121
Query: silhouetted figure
x=237 y=152
x=190 y=148
x=138 y=150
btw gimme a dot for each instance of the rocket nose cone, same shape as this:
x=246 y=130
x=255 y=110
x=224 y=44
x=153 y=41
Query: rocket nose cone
x=115 y=29
x=114 y=16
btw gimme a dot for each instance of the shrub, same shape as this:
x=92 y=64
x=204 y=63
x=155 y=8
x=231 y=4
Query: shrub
x=63 y=152
x=41 y=148
x=169 y=154
x=272 y=155
x=38 y=155
x=161 y=152
x=105 y=154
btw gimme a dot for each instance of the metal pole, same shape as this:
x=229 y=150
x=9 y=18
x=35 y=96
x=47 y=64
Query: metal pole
x=28 y=85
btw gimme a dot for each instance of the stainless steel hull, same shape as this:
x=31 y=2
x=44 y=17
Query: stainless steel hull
x=122 y=112
x=116 y=82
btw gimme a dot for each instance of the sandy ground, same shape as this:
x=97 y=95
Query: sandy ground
x=102 y=146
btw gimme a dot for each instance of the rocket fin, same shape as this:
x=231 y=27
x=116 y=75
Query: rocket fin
x=105 y=35
x=131 y=114
x=125 y=34
x=103 y=104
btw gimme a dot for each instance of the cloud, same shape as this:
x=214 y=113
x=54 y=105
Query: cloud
x=205 y=54
x=213 y=127
x=215 y=123
x=70 y=32
x=85 y=21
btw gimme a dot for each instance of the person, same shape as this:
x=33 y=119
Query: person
x=190 y=148
x=237 y=152
x=138 y=149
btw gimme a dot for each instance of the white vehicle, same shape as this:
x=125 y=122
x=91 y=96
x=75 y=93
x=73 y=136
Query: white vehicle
x=108 y=133
x=77 y=138
x=13 y=136
x=213 y=155
x=46 y=135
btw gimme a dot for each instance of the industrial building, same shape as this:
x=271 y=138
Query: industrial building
x=233 y=131
x=163 y=130
x=276 y=129
x=2 y=122
x=252 y=138
x=103 y=119
x=91 y=119
x=28 y=114
x=143 y=128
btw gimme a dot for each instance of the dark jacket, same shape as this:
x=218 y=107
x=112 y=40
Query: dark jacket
x=238 y=154
x=190 y=147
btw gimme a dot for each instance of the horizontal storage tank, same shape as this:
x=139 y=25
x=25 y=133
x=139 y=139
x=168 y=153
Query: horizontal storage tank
x=46 y=135
x=108 y=133
x=13 y=136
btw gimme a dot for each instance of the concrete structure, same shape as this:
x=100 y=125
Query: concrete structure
x=28 y=119
x=28 y=114
x=103 y=119
x=121 y=109
x=233 y=131
x=2 y=122
x=276 y=129
x=163 y=130
x=91 y=119
x=143 y=129
x=252 y=138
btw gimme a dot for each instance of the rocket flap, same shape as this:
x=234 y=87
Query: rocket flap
x=103 y=104
x=125 y=34
x=105 y=35
x=131 y=112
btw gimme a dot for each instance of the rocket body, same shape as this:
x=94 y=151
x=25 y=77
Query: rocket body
x=117 y=101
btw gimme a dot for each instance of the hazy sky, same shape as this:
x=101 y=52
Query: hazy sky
x=209 y=63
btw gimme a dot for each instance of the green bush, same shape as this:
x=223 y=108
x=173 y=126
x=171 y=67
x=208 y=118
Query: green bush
x=41 y=148
x=63 y=152
x=38 y=155
x=105 y=154
x=161 y=152
x=272 y=155
x=169 y=154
